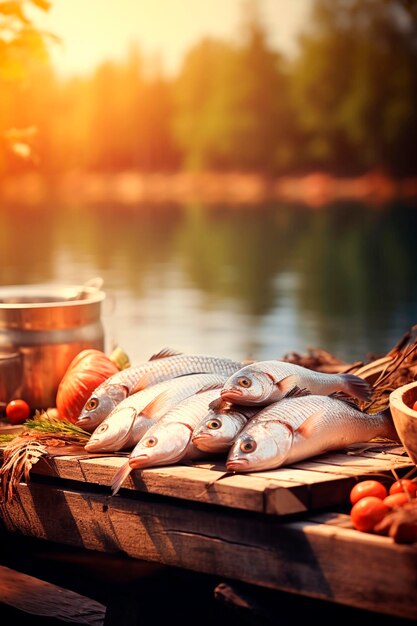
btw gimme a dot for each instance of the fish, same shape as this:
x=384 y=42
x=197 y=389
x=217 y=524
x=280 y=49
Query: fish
x=134 y=415
x=303 y=426
x=161 y=366
x=265 y=382
x=169 y=440
x=218 y=429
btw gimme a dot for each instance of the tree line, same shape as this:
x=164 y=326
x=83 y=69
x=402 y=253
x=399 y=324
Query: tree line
x=345 y=103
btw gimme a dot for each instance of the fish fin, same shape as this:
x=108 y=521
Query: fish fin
x=143 y=382
x=120 y=476
x=218 y=404
x=153 y=409
x=286 y=384
x=309 y=426
x=340 y=395
x=356 y=387
x=164 y=353
x=297 y=392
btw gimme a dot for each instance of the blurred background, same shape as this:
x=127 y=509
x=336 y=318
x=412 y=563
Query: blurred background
x=242 y=174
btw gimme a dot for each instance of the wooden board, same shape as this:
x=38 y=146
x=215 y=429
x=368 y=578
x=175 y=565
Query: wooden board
x=321 y=557
x=39 y=597
x=314 y=484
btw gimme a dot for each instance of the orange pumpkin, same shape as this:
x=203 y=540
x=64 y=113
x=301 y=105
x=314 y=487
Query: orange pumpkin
x=88 y=369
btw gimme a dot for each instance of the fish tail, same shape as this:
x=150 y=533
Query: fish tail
x=119 y=477
x=356 y=387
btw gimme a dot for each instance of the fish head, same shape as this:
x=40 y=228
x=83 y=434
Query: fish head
x=164 y=446
x=217 y=431
x=257 y=448
x=100 y=404
x=113 y=432
x=248 y=386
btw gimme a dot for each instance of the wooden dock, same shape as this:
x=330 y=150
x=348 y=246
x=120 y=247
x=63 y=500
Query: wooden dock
x=284 y=530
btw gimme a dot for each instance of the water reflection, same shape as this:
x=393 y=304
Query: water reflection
x=256 y=281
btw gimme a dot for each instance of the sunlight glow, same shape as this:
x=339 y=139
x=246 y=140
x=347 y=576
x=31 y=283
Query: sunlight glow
x=96 y=30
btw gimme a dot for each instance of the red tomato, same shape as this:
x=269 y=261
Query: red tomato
x=367 y=512
x=403 y=485
x=396 y=499
x=368 y=488
x=415 y=406
x=17 y=411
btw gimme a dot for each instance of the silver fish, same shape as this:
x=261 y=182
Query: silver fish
x=301 y=427
x=132 y=417
x=162 y=366
x=218 y=429
x=269 y=381
x=169 y=440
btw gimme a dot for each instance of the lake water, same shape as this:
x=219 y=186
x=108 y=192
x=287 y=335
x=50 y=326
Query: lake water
x=243 y=282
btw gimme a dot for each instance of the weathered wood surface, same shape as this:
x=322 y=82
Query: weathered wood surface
x=321 y=557
x=39 y=597
x=323 y=481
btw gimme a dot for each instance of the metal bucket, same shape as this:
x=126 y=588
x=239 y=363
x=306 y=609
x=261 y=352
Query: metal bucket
x=42 y=328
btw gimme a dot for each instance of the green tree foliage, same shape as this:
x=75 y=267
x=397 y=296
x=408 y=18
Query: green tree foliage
x=262 y=103
x=22 y=48
x=355 y=86
x=233 y=106
x=205 y=125
x=130 y=115
x=346 y=103
x=21 y=42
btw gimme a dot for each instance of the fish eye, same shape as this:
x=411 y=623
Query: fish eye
x=248 y=446
x=91 y=404
x=102 y=428
x=150 y=442
x=244 y=381
x=214 y=424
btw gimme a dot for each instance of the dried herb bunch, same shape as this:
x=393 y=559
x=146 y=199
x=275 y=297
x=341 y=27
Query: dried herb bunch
x=41 y=434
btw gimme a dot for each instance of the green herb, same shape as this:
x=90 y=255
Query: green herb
x=6 y=438
x=22 y=451
x=46 y=424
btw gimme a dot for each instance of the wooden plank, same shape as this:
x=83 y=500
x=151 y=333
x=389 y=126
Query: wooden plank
x=316 y=483
x=37 y=597
x=189 y=483
x=324 y=490
x=311 y=558
x=352 y=465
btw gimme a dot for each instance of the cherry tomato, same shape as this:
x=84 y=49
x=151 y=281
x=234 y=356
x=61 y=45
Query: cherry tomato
x=403 y=485
x=368 y=488
x=367 y=512
x=396 y=499
x=17 y=411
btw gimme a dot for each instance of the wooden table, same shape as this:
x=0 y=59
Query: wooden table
x=286 y=529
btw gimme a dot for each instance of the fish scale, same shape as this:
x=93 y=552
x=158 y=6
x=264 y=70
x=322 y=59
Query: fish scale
x=132 y=417
x=162 y=366
x=187 y=414
x=301 y=427
x=172 y=367
x=264 y=382
x=172 y=437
